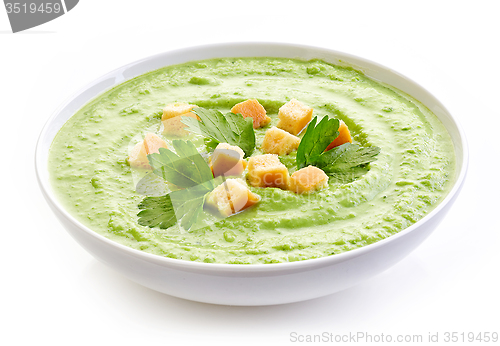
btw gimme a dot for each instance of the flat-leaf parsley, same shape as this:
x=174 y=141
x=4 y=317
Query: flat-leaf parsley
x=229 y=128
x=345 y=163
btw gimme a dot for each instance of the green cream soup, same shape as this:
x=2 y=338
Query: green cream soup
x=413 y=172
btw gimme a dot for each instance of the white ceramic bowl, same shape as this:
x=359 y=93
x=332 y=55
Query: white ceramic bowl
x=264 y=284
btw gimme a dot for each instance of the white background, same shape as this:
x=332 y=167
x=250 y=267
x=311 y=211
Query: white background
x=53 y=292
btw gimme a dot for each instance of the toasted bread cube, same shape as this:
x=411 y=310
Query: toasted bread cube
x=153 y=143
x=277 y=141
x=231 y=197
x=175 y=109
x=294 y=116
x=307 y=180
x=252 y=108
x=139 y=155
x=343 y=137
x=267 y=171
x=227 y=160
x=174 y=126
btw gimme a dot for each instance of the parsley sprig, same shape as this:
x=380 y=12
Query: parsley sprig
x=229 y=128
x=157 y=212
x=184 y=168
x=344 y=163
x=315 y=141
x=187 y=169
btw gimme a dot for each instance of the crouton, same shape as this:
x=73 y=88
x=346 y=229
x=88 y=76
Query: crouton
x=252 y=108
x=174 y=127
x=343 y=137
x=307 y=180
x=175 y=109
x=227 y=160
x=139 y=155
x=267 y=171
x=277 y=141
x=153 y=143
x=294 y=116
x=231 y=197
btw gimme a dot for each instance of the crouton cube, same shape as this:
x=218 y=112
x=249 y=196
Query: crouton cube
x=227 y=160
x=174 y=127
x=153 y=143
x=307 y=180
x=175 y=109
x=267 y=171
x=343 y=137
x=139 y=155
x=252 y=108
x=231 y=197
x=277 y=141
x=294 y=116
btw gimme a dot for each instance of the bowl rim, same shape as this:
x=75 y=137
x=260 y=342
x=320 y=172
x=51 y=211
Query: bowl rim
x=48 y=193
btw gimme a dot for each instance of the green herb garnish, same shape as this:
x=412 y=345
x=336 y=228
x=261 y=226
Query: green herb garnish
x=157 y=212
x=345 y=163
x=315 y=140
x=164 y=211
x=188 y=204
x=230 y=128
x=187 y=169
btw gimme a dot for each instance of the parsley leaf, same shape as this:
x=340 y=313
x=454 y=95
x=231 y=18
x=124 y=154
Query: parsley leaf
x=157 y=212
x=347 y=162
x=151 y=185
x=315 y=140
x=346 y=156
x=230 y=128
x=185 y=169
x=344 y=163
x=188 y=204
x=164 y=211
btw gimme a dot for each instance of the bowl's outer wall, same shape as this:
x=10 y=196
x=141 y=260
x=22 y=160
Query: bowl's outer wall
x=252 y=287
x=254 y=284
